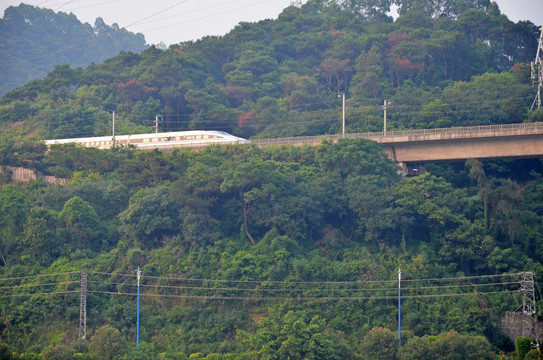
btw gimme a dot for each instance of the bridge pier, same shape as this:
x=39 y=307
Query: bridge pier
x=407 y=169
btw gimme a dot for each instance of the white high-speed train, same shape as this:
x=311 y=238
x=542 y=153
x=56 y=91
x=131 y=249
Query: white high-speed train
x=169 y=140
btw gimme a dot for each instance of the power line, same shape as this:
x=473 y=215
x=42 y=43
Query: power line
x=252 y=298
x=291 y=287
x=189 y=12
x=38 y=276
x=207 y=16
x=155 y=286
x=36 y=285
x=40 y=294
x=155 y=14
x=309 y=282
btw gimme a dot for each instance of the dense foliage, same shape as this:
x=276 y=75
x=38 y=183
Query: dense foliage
x=286 y=216
x=438 y=65
x=277 y=252
x=34 y=40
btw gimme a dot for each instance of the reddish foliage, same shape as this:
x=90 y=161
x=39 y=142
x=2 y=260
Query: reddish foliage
x=180 y=49
x=245 y=118
x=397 y=37
x=134 y=90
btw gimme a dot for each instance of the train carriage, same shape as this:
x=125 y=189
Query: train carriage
x=192 y=138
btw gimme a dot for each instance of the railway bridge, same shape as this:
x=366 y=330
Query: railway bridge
x=445 y=144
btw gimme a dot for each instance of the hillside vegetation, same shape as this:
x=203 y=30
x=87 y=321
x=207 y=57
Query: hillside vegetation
x=34 y=40
x=277 y=252
x=267 y=232
x=282 y=77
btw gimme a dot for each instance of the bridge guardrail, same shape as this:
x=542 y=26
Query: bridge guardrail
x=537 y=126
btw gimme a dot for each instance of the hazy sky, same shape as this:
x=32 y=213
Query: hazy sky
x=174 y=21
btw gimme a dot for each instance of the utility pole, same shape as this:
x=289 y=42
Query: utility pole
x=83 y=306
x=343 y=126
x=113 y=130
x=399 y=305
x=343 y=114
x=138 y=275
x=156 y=124
x=385 y=117
x=537 y=72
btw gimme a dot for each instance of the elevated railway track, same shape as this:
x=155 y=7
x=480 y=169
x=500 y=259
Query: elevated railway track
x=444 y=144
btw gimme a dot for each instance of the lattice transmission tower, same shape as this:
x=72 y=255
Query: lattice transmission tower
x=83 y=307
x=523 y=321
x=537 y=72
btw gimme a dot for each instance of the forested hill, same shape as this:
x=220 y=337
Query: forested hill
x=283 y=252
x=438 y=66
x=35 y=39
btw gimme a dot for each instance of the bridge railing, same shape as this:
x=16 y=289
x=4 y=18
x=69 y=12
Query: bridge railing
x=528 y=127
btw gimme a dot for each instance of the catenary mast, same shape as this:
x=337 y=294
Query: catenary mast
x=537 y=72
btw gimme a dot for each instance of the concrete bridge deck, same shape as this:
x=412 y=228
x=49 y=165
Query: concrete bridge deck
x=444 y=144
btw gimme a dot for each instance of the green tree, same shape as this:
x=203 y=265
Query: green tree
x=14 y=206
x=41 y=239
x=368 y=79
x=81 y=223
x=151 y=215
x=300 y=91
x=416 y=348
x=379 y=344
x=254 y=184
x=107 y=344
x=524 y=345
x=58 y=352
x=452 y=346
x=292 y=337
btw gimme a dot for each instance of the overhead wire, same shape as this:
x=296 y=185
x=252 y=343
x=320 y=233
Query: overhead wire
x=36 y=285
x=157 y=13
x=290 y=286
x=38 y=276
x=92 y=5
x=40 y=294
x=207 y=16
x=263 y=289
x=252 y=298
x=318 y=119
x=190 y=12
x=305 y=282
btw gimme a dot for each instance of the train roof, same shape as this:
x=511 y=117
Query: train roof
x=143 y=136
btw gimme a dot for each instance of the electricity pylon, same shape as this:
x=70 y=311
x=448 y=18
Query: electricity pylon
x=83 y=307
x=537 y=72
